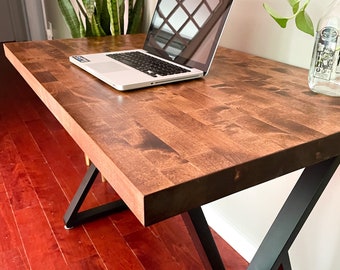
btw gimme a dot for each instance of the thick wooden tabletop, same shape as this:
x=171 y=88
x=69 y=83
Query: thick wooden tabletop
x=168 y=149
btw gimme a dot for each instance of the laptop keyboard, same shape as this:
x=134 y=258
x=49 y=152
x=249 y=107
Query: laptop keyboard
x=147 y=64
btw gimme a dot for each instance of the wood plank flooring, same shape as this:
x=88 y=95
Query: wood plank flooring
x=40 y=170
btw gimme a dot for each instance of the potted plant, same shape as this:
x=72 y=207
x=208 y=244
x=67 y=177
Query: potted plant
x=102 y=17
x=299 y=14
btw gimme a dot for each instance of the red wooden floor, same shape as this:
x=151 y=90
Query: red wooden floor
x=40 y=169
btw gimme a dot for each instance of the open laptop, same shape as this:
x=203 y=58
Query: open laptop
x=182 y=40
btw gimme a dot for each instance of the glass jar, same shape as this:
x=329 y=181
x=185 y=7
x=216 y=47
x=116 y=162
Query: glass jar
x=324 y=72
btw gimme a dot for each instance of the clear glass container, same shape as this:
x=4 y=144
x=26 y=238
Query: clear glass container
x=324 y=72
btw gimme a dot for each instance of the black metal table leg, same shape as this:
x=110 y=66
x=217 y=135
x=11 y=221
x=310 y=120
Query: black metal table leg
x=208 y=243
x=285 y=262
x=74 y=218
x=273 y=251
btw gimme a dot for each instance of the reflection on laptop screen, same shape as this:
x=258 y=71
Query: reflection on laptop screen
x=187 y=31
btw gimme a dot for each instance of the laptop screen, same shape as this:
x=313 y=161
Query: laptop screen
x=187 y=31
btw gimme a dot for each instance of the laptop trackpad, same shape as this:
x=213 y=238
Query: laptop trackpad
x=105 y=67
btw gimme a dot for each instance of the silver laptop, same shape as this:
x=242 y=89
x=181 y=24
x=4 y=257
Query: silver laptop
x=180 y=45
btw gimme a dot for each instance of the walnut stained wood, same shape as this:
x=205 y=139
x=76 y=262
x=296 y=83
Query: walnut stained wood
x=40 y=169
x=168 y=149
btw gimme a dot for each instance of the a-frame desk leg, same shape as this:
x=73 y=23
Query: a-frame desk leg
x=203 y=240
x=74 y=218
x=273 y=252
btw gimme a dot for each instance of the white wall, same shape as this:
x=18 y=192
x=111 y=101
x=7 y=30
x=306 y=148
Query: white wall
x=251 y=29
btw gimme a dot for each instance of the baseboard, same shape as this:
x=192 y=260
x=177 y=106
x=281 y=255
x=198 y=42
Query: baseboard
x=229 y=233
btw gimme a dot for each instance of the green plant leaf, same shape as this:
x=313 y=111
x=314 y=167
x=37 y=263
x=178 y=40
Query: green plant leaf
x=296 y=7
x=82 y=13
x=302 y=20
x=112 y=7
x=82 y=29
x=135 y=17
x=93 y=8
x=70 y=17
x=89 y=7
x=121 y=14
x=293 y=3
x=282 y=21
x=96 y=28
x=131 y=14
x=304 y=23
x=101 y=17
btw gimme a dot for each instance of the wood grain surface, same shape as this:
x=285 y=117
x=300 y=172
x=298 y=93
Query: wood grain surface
x=170 y=148
x=40 y=170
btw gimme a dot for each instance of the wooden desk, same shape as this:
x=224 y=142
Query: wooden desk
x=170 y=149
